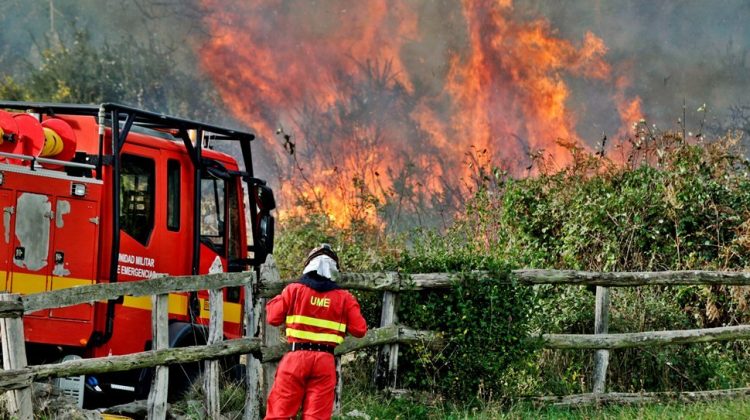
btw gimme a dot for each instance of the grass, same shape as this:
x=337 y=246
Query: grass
x=380 y=408
x=364 y=404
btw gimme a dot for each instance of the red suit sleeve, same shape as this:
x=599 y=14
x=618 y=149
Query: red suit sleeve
x=355 y=322
x=276 y=308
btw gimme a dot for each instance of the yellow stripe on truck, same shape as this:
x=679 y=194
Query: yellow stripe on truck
x=232 y=311
x=66 y=282
x=27 y=283
x=178 y=306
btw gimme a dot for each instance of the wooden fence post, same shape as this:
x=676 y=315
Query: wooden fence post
x=215 y=335
x=339 y=388
x=601 y=326
x=269 y=334
x=253 y=368
x=14 y=357
x=387 y=363
x=157 y=397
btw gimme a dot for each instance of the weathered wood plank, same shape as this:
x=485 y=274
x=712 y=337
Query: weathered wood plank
x=625 y=279
x=386 y=370
x=601 y=326
x=270 y=335
x=11 y=308
x=253 y=366
x=643 y=339
x=424 y=281
x=215 y=335
x=623 y=398
x=14 y=357
x=339 y=388
x=145 y=359
x=15 y=379
x=18 y=378
x=157 y=397
x=374 y=337
x=155 y=286
x=378 y=281
x=394 y=282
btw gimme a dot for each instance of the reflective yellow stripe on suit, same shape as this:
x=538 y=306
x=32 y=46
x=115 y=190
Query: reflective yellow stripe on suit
x=319 y=337
x=315 y=322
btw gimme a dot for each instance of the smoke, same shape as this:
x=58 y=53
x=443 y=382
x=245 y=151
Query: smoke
x=690 y=51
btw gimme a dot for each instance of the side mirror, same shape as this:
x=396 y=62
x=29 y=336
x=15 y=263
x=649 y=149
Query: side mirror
x=265 y=236
x=264 y=198
x=266 y=232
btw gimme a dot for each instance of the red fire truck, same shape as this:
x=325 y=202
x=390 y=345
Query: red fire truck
x=111 y=193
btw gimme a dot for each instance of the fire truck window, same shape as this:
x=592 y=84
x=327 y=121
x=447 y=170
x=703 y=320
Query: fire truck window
x=137 y=197
x=212 y=212
x=173 y=195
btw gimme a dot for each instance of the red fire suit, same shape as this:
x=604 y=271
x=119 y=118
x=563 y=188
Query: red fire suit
x=309 y=377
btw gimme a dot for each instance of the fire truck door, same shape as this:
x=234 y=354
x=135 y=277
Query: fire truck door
x=31 y=238
x=74 y=250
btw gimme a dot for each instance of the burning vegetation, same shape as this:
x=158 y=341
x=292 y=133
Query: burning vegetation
x=394 y=106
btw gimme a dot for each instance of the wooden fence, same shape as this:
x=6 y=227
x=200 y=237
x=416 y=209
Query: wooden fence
x=602 y=342
x=264 y=347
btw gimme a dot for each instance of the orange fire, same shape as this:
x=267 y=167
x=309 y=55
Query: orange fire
x=378 y=105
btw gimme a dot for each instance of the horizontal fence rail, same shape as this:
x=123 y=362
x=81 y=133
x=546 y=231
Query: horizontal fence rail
x=397 y=282
x=644 y=339
x=624 y=398
x=155 y=286
x=375 y=337
x=18 y=378
x=633 y=278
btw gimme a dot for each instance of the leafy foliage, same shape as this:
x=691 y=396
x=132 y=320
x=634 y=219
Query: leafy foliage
x=131 y=72
x=484 y=323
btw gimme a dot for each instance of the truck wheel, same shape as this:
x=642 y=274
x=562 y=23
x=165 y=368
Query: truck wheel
x=183 y=376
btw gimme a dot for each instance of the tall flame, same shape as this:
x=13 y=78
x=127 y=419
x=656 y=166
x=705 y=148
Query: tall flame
x=366 y=117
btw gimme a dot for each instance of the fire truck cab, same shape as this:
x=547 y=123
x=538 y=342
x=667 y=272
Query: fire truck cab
x=111 y=193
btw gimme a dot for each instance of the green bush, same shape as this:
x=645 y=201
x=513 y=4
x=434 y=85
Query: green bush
x=484 y=324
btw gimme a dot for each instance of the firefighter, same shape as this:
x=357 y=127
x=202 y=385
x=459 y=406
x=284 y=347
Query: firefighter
x=318 y=314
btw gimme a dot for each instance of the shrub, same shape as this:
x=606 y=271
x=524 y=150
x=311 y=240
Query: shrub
x=484 y=324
